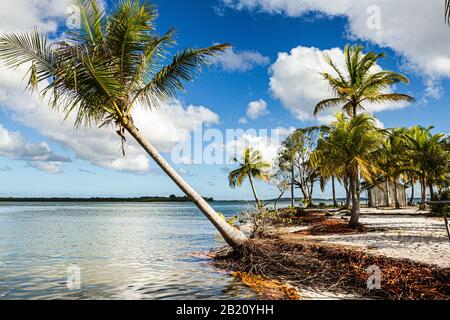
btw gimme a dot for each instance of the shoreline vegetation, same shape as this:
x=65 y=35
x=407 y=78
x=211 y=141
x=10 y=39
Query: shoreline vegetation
x=298 y=256
x=171 y=198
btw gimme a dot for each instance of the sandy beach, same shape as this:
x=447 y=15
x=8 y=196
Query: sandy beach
x=396 y=233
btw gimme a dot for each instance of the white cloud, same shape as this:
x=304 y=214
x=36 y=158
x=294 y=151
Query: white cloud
x=257 y=109
x=415 y=29
x=52 y=167
x=241 y=61
x=242 y=120
x=23 y=14
x=297 y=83
x=164 y=127
x=37 y=155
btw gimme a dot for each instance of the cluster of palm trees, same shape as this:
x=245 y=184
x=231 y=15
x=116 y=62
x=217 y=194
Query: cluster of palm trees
x=353 y=150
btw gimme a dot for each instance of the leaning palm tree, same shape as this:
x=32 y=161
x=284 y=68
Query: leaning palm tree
x=359 y=83
x=102 y=69
x=354 y=143
x=252 y=166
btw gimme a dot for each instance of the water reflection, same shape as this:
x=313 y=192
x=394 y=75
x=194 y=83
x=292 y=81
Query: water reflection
x=124 y=251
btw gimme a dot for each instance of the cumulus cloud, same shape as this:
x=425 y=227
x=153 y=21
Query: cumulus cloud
x=240 y=61
x=413 y=28
x=296 y=81
x=165 y=126
x=37 y=155
x=257 y=109
x=23 y=14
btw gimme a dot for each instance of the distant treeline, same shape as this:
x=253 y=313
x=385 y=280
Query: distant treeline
x=172 y=198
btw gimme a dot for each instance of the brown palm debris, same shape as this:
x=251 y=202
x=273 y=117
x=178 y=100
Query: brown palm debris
x=335 y=269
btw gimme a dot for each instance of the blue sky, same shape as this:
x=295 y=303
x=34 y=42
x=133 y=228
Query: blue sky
x=44 y=158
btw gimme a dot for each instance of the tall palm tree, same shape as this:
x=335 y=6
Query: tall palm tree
x=358 y=84
x=355 y=143
x=102 y=69
x=252 y=166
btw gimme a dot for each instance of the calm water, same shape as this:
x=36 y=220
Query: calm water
x=124 y=251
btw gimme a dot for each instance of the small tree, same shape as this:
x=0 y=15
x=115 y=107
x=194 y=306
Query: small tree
x=252 y=166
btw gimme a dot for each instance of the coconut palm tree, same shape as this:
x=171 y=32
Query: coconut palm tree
x=359 y=83
x=354 y=143
x=428 y=153
x=252 y=166
x=102 y=69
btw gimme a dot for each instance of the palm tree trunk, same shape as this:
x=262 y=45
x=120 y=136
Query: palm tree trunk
x=387 y=194
x=355 y=202
x=310 y=200
x=397 y=204
x=233 y=236
x=347 y=193
x=411 y=199
x=335 y=204
x=424 y=194
x=258 y=203
x=431 y=191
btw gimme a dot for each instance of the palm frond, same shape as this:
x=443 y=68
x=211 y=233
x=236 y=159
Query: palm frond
x=390 y=97
x=324 y=104
x=92 y=23
x=169 y=80
x=22 y=48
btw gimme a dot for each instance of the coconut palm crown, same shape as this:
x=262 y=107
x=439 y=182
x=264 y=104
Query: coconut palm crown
x=359 y=83
x=252 y=166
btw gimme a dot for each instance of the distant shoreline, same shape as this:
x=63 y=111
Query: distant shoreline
x=139 y=199
x=150 y=199
x=100 y=199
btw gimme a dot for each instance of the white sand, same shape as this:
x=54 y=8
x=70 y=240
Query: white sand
x=406 y=235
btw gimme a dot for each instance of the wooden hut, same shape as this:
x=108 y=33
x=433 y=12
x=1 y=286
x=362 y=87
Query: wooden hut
x=382 y=195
